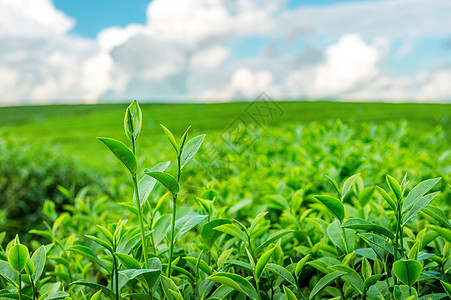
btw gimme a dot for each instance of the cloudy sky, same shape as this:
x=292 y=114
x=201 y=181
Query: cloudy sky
x=74 y=51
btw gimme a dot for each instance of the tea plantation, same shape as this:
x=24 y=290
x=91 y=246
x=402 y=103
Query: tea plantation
x=262 y=200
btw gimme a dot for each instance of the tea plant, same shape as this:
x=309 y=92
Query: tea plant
x=281 y=231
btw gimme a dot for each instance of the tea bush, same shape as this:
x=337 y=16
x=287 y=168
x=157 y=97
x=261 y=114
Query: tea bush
x=30 y=174
x=307 y=212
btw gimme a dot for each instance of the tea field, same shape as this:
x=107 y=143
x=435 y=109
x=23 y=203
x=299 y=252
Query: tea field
x=286 y=200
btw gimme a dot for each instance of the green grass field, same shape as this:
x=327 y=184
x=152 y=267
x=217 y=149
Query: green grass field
x=74 y=127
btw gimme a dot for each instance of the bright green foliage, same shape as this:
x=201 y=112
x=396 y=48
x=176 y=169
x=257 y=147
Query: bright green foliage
x=236 y=282
x=17 y=257
x=122 y=152
x=167 y=180
x=407 y=270
x=190 y=149
x=334 y=205
x=324 y=282
x=259 y=222
x=133 y=121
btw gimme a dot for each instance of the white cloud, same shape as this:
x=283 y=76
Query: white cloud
x=347 y=64
x=438 y=87
x=9 y=79
x=394 y=19
x=32 y=18
x=188 y=53
x=210 y=58
x=244 y=84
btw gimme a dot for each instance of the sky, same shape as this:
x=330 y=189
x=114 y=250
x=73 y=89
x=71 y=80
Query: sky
x=85 y=51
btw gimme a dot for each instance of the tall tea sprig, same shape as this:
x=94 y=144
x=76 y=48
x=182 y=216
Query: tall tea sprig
x=132 y=126
x=184 y=153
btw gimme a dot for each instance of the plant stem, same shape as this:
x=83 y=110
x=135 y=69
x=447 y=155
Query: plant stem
x=400 y=228
x=66 y=255
x=141 y=223
x=20 y=286
x=257 y=285
x=401 y=241
x=33 y=288
x=151 y=236
x=174 y=209
x=395 y=242
x=171 y=246
x=117 y=275
x=386 y=272
x=302 y=295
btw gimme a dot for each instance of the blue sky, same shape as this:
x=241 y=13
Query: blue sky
x=65 y=51
x=93 y=16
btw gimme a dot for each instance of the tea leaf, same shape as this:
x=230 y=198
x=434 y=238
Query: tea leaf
x=438 y=215
x=262 y=262
x=233 y=230
x=407 y=270
x=107 y=234
x=378 y=291
x=372 y=280
x=256 y=220
x=404 y=292
x=8 y=273
x=122 y=153
x=272 y=238
x=170 y=138
x=447 y=287
x=186 y=223
x=202 y=264
x=282 y=272
x=419 y=191
x=289 y=294
x=209 y=234
x=365 y=195
x=300 y=265
x=183 y=139
x=161 y=227
x=17 y=257
x=88 y=253
x=334 y=184
x=95 y=286
x=394 y=186
x=38 y=258
x=443 y=232
x=133 y=121
x=337 y=235
x=236 y=282
x=357 y=223
x=100 y=242
x=29 y=267
x=378 y=243
x=191 y=148
x=334 y=205
x=133 y=273
x=352 y=277
x=418 y=206
x=165 y=179
x=415 y=250
x=147 y=183
x=128 y=261
x=347 y=185
x=325 y=282
x=96 y=295
x=57 y=295
x=387 y=197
